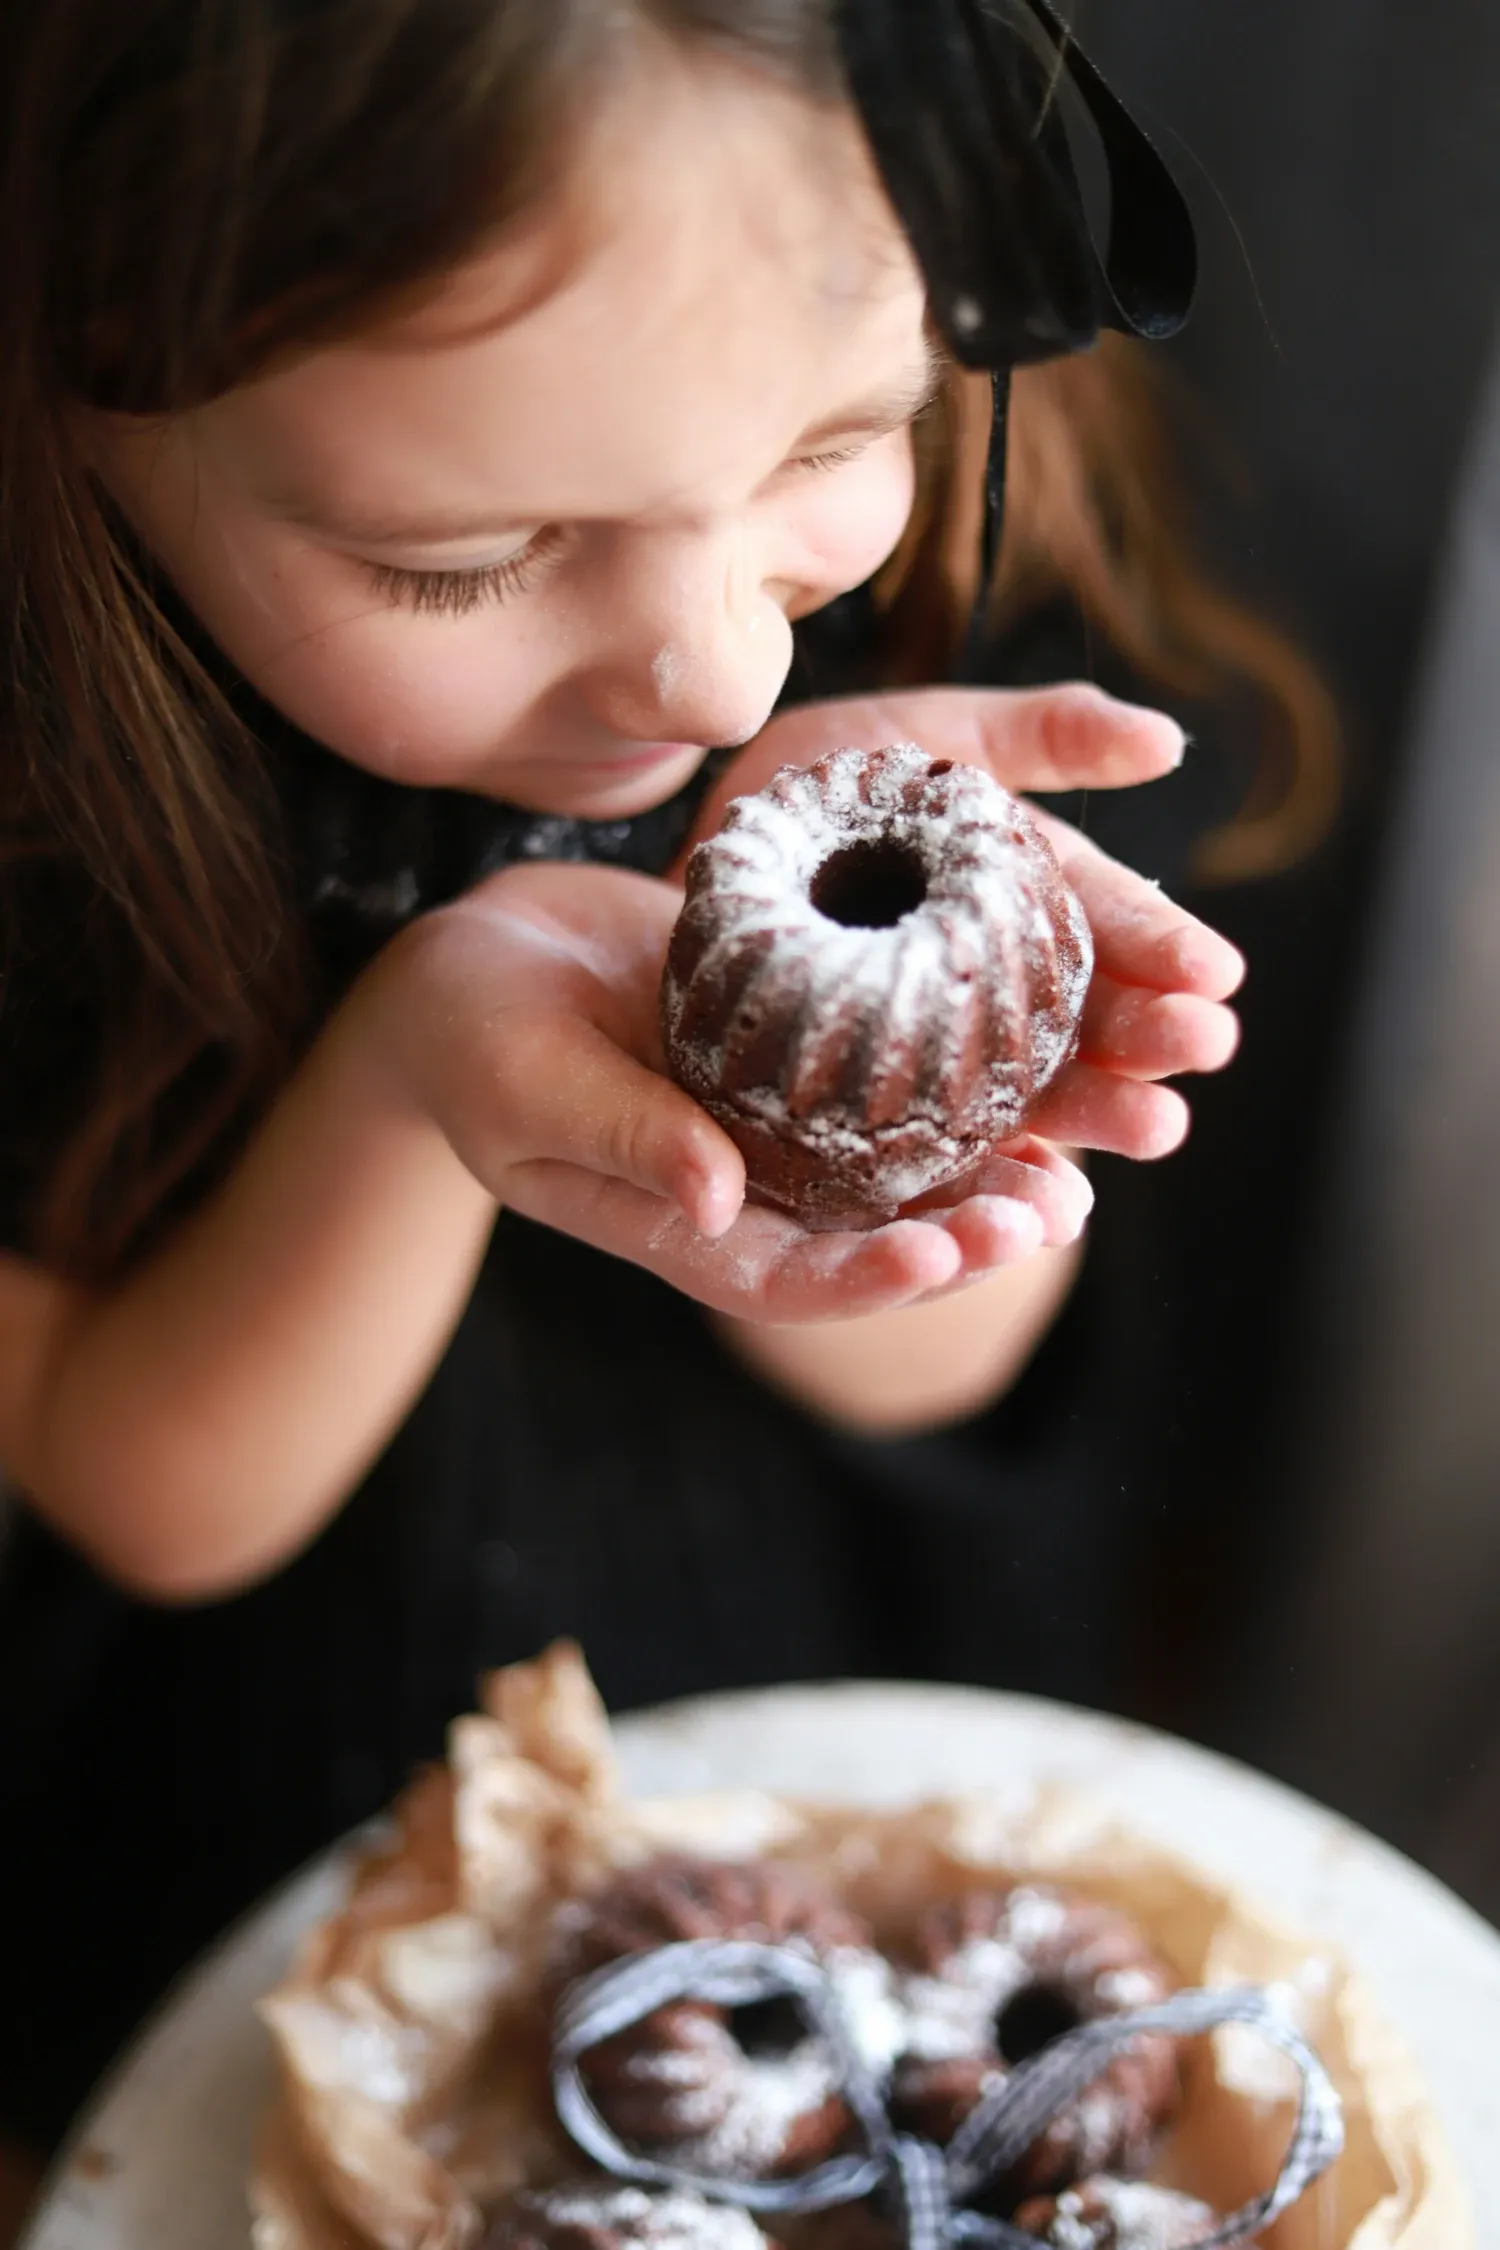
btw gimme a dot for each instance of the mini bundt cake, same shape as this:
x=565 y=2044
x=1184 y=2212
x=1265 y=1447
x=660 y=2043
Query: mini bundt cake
x=877 y=972
x=998 y=1975
x=750 y=2091
x=1106 y=2214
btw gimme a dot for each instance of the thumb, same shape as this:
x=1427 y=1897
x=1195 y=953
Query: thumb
x=572 y=1096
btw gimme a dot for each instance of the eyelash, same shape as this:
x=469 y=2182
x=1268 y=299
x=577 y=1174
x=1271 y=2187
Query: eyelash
x=456 y=593
x=817 y=463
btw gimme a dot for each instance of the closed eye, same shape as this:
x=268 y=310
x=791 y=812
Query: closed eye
x=816 y=464
x=455 y=593
x=864 y=438
x=837 y=457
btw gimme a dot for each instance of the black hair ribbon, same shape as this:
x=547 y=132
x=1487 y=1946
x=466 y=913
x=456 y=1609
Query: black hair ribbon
x=959 y=100
x=961 y=114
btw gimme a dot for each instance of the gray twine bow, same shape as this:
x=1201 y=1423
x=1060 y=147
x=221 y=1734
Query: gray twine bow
x=931 y=2187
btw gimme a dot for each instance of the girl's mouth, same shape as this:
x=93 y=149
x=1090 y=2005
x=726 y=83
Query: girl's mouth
x=636 y=758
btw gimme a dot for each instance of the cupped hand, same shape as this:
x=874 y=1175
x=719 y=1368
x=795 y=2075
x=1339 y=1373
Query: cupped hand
x=1156 y=1005
x=523 y=1021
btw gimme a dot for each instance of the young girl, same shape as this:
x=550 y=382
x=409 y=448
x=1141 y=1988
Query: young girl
x=431 y=430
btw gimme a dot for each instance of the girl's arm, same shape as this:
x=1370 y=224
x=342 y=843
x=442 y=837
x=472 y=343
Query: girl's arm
x=192 y=1426
x=893 y=1374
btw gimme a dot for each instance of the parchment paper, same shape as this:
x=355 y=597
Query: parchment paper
x=412 y=2030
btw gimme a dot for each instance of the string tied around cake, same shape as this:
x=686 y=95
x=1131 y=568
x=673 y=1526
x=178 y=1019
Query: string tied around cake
x=931 y=2191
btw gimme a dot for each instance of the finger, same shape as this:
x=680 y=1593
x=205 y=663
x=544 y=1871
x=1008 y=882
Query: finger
x=992 y=1231
x=1140 y=935
x=1032 y=1175
x=1054 y=738
x=984 y=1224
x=765 y=1268
x=1089 y=1108
x=975 y=1271
x=1075 y=737
x=1155 y=1034
x=572 y=1096
x=1039 y=1174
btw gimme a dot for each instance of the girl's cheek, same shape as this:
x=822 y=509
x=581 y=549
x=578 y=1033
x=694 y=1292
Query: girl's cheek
x=399 y=694
x=395 y=690
x=852 y=518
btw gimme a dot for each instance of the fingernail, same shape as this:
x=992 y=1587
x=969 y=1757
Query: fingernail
x=1080 y=1191
x=1169 y=1128
x=711 y=1204
x=944 y=1266
x=1027 y=1225
x=1143 y=718
x=1206 y=959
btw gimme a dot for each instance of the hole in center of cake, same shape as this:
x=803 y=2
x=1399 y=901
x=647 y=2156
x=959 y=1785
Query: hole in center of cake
x=1032 y=2020
x=767 y=2030
x=870 y=886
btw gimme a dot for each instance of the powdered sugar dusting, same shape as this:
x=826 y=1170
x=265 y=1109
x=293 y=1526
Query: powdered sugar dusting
x=1035 y=1917
x=770 y=2098
x=732 y=2111
x=1004 y=1973
x=674 y=2219
x=1129 y=1988
x=951 y=2012
x=772 y=2094
x=1135 y=2215
x=866 y=1991
x=1096 y=2122
x=940 y=1028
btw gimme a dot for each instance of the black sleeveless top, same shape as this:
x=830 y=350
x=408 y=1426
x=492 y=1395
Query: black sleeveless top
x=587 y=1460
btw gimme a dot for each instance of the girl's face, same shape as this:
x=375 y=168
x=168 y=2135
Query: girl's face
x=543 y=538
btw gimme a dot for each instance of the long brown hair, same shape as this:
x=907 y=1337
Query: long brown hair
x=188 y=187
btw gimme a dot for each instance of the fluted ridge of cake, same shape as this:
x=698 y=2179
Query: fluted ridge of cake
x=956 y=1013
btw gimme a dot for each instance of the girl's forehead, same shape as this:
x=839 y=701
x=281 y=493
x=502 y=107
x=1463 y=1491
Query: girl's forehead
x=719 y=271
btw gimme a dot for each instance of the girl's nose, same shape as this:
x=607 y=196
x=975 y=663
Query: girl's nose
x=700 y=649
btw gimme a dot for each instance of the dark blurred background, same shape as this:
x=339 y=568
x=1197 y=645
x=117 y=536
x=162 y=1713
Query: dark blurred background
x=1319 y=1460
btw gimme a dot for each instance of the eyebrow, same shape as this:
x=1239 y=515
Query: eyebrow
x=877 y=415
x=883 y=411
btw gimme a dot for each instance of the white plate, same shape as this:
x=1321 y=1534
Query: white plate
x=160 y=2161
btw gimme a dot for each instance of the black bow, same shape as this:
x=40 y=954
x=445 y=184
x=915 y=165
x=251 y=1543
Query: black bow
x=960 y=104
x=961 y=107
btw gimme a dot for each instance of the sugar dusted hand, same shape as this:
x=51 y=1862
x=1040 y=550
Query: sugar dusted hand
x=523 y=1023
